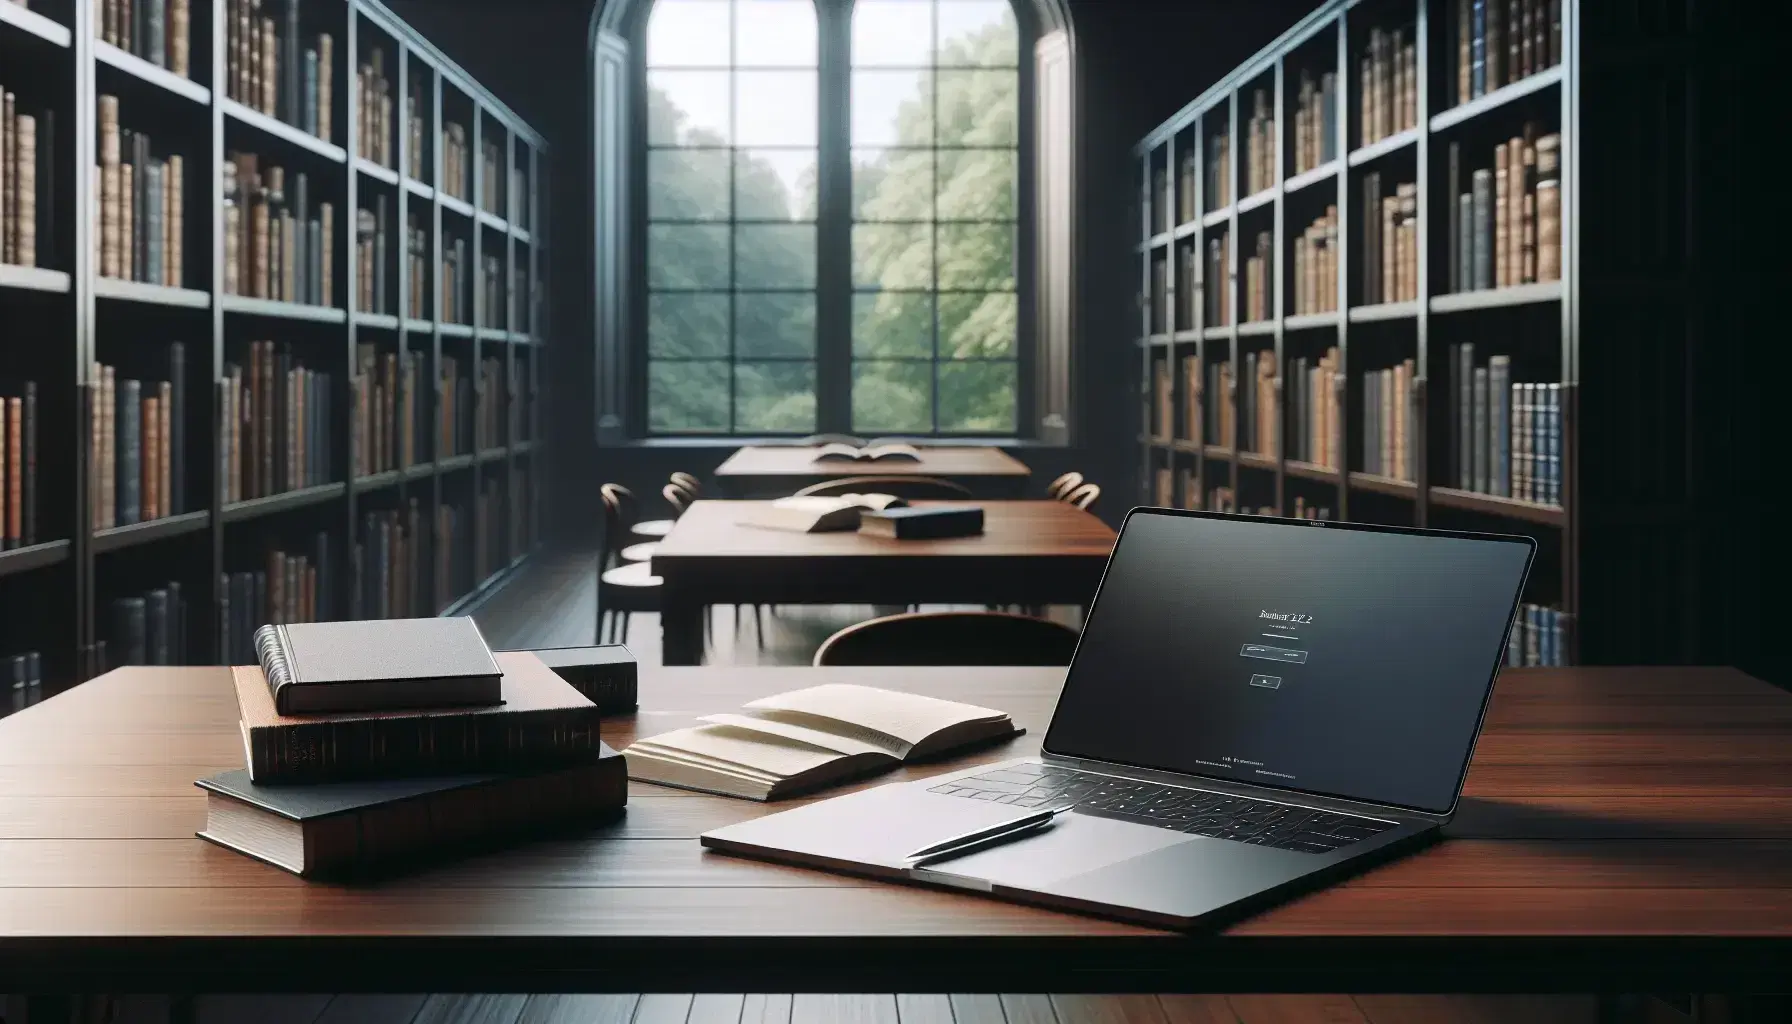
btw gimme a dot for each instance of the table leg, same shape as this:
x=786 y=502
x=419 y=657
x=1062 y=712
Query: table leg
x=681 y=631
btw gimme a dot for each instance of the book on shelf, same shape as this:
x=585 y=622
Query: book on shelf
x=1390 y=415
x=1302 y=510
x=159 y=31
x=1259 y=280
x=1507 y=227
x=274 y=67
x=291 y=585
x=140 y=204
x=1163 y=486
x=1163 y=401
x=1390 y=241
x=134 y=462
x=27 y=201
x=1218 y=290
x=1219 y=171
x=1387 y=85
x=417 y=278
x=277 y=234
x=1310 y=394
x=1538 y=637
x=149 y=628
x=491 y=284
x=1315 y=121
x=543 y=724
x=454 y=161
x=1192 y=385
x=372 y=279
x=810 y=739
x=453 y=277
x=1508 y=434
x=18 y=464
x=1221 y=423
x=1185 y=185
x=1316 y=265
x=492 y=169
x=1158 y=200
x=279 y=433
x=390 y=564
x=1499 y=42
x=1260 y=151
x=24 y=683
x=373 y=110
x=1257 y=433
x=387 y=414
x=488 y=429
x=519 y=191
x=414 y=128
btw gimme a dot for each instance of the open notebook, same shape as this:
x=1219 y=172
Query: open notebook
x=809 y=739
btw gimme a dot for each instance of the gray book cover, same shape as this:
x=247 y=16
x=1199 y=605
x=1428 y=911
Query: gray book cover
x=1480 y=431
x=129 y=454
x=1483 y=229
x=1499 y=411
x=1465 y=412
x=319 y=667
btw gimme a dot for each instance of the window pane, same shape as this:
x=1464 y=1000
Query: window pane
x=774 y=184
x=977 y=256
x=687 y=325
x=892 y=256
x=774 y=33
x=892 y=397
x=774 y=108
x=687 y=397
x=775 y=397
x=687 y=184
x=688 y=33
x=687 y=108
x=892 y=324
x=687 y=256
x=892 y=184
x=977 y=325
x=977 y=32
x=892 y=33
x=892 y=108
x=774 y=324
x=774 y=255
x=977 y=184
x=978 y=108
x=977 y=397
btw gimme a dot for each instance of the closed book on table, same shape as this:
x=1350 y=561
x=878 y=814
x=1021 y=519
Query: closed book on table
x=928 y=523
x=359 y=829
x=606 y=674
x=543 y=723
x=322 y=667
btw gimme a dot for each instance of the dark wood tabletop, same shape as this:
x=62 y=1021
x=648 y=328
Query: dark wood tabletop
x=1623 y=830
x=759 y=470
x=1030 y=552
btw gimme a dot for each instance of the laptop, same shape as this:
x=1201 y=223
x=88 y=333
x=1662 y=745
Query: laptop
x=1256 y=706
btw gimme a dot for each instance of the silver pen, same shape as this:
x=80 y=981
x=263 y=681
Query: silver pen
x=991 y=835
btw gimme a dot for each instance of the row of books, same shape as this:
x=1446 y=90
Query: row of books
x=1257 y=401
x=278 y=235
x=140 y=217
x=1219 y=171
x=1539 y=637
x=456 y=296
x=417 y=255
x=373 y=110
x=1218 y=405
x=1387 y=85
x=489 y=425
x=1507 y=228
x=458 y=410
x=20 y=173
x=1315 y=121
x=1259 y=171
x=280 y=432
x=491 y=280
x=1390 y=421
x=492 y=156
x=490 y=550
x=1390 y=242
x=293 y=587
x=454 y=162
x=414 y=127
x=149 y=628
x=18 y=466
x=24 y=676
x=137 y=455
x=1508 y=436
x=373 y=292
x=390 y=565
x=1259 y=282
x=388 y=418
x=1499 y=42
x=1316 y=265
x=159 y=31
x=269 y=68
x=1313 y=422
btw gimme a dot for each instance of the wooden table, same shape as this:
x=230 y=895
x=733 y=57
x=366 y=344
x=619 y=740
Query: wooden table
x=1625 y=830
x=1030 y=552
x=774 y=471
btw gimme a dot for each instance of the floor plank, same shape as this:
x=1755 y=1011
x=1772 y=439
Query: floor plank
x=1478 y=1009
x=978 y=1009
x=1029 y=1009
x=1197 y=1010
x=815 y=1008
x=715 y=1009
x=372 y=1009
x=1108 y=1009
x=924 y=1009
x=263 y=1009
x=764 y=1009
x=1298 y=1009
x=471 y=1009
x=659 y=1008
x=579 y=1009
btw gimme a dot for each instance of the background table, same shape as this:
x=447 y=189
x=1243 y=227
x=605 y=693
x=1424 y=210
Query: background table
x=774 y=471
x=1624 y=830
x=1030 y=552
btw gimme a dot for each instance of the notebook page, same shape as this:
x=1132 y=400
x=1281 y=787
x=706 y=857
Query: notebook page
x=800 y=733
x=773 y=755
x=905 y=716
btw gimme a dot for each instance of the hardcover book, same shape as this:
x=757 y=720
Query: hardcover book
x=321 y=667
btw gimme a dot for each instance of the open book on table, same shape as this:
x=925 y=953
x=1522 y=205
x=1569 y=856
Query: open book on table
x=809 y=739
x=893 y=452
x=806 y=513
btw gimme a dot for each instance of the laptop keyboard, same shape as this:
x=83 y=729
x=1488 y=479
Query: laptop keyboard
x=1202 y=812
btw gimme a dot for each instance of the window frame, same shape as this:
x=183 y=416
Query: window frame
x=834 y=291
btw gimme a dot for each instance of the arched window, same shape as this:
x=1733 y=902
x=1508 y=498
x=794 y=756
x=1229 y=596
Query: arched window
x=831 y=218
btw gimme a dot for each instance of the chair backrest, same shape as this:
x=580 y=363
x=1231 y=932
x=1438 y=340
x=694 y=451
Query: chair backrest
x=913 y=487
x=951 y=638
x=818 y=439
x=689 y=483
x=620 y=510
x=1064 y=485
x=1084 y=496
x=677 y=497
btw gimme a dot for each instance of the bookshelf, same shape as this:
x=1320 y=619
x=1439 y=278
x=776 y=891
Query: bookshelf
x=1302 y=321
x=441 y=491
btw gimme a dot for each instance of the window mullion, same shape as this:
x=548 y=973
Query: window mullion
x=833 y=211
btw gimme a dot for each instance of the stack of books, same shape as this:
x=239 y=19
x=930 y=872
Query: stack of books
x=1387 y=85
x=159 y=31
x=373 y=746
x=269 y=68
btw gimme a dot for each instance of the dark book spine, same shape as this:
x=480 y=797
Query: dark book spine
x=1455 y=189
x=1554 y=438
x=130 y=626
x=379 y=255
x=301 y=240
x=1465 y=408
x=157 y=52
x=1499 y=410
x=1479 y=428
x=156 y=627
x=1483 y=228
x=177 y=625
x=28 y=474
x=289 y=66
x=226 y=635
x=1478 y=49
x=129 y=457
x=258 y=603
x=177 y=428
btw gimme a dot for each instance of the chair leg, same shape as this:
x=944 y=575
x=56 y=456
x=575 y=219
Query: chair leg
x=758 y=626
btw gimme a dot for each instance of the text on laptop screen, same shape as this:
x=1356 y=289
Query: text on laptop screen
x=1347 y=662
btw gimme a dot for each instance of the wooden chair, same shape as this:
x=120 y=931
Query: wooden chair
x=1057 y=489
x=950 y=638
x=912 y=487
x=622 y=587
x=657 y=528
x=1083 y=497
x=688 y=483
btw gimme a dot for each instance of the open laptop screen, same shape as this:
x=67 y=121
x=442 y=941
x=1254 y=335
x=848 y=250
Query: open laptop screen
x=1336 y=659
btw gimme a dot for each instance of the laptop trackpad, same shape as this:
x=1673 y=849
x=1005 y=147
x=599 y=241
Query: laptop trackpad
x=1075 y=844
